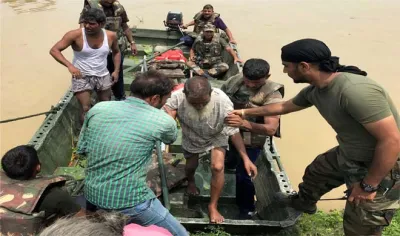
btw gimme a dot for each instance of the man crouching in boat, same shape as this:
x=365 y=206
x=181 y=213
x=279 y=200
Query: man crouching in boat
x=252 y=88
x=29 y=202
x=118 y=138
x=91 y=46
x=201 y=111
x=206 y=53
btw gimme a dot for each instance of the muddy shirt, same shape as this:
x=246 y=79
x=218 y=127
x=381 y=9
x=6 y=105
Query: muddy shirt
x=347 y=103
x=108 y=11
x=205 y=134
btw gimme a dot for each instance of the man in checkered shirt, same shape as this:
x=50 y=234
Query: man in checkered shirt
x=201 y=111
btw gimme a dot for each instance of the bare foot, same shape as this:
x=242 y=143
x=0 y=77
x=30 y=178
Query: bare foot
x=192 y=189
x=215 y=216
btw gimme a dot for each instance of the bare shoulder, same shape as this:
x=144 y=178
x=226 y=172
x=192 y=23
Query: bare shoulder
x=111 y=35
x=74 y=34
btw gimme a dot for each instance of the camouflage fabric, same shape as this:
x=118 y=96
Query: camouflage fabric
x=175 y=175
x=326 y=173
x=113 y=23
x=243 y=98
x=208 y=53
x=200 y=22
x=18 y=200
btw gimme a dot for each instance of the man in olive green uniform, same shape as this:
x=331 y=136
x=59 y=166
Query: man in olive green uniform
x=367 y=125
x=252 y=88
x=206 y=53
x=116 y=21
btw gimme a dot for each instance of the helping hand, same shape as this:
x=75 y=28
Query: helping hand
x=234 y=120
x=232 y=41
x=236 y=112
x=359 y=196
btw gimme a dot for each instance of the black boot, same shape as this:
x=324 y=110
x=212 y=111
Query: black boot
x=294 y=201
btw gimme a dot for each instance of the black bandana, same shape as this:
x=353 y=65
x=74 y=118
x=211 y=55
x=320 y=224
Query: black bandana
x=315 y=51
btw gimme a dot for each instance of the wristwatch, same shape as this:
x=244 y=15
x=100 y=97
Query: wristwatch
x=368 y=188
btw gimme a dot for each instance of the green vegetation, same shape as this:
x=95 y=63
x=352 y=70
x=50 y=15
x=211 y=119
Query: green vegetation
x=320 y=223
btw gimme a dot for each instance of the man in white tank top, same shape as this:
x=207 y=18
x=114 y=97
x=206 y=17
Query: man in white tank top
x=91 y=46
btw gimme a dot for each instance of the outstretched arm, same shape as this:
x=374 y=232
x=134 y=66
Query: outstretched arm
x=188 y=24
x=274 y=109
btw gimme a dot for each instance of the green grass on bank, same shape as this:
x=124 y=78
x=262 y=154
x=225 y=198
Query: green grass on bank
x=320 y=223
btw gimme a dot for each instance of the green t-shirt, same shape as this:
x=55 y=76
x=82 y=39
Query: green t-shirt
x=347 y=103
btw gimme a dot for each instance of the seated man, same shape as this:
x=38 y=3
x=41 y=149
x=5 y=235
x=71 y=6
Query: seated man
x=201 y=111
x=252 y=88
x=118 y=138
x=207 y=15
x=206 y=53
x=30 y=202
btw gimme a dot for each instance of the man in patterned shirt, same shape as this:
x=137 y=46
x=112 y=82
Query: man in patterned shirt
x=118 y=138
x=201 y=111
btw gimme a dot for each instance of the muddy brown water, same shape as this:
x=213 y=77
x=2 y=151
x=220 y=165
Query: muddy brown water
x=362 y=33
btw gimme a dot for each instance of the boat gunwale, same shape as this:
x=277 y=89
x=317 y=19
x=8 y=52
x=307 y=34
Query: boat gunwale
x=41 y=135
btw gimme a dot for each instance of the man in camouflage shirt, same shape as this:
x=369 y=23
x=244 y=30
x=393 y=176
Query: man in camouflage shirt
x=116 y=21
x=252 y=88
x=30 y=202
x=367 y=124
x=206 y=53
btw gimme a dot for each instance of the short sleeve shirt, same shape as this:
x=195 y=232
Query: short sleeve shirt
x=347 y=103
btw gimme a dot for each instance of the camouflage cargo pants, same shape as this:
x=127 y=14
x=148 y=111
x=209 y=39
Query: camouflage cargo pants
x=215 y=70
x=369 y=218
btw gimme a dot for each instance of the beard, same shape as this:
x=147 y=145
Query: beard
x=300 y=79
x=199 y=115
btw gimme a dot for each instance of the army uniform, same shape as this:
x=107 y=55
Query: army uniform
x=349 y=101
x=242 y=98
x=29 y=205
x=209 y=54
x=115 y=17
x=200 y=22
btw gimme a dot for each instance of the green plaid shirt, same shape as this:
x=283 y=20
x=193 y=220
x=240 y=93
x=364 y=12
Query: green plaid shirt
x=118 y=138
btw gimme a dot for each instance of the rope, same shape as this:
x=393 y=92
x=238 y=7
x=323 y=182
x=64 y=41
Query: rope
x=53 y=110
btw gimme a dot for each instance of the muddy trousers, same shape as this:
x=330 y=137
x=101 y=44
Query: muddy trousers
x=370 y=218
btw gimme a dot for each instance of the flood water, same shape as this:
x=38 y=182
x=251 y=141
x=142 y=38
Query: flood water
x=361 y=32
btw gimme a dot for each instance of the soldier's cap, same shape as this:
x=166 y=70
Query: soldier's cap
x=209 y=27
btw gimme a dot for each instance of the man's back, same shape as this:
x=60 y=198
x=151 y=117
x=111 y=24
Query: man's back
x=118 y=138
x=347 y=103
